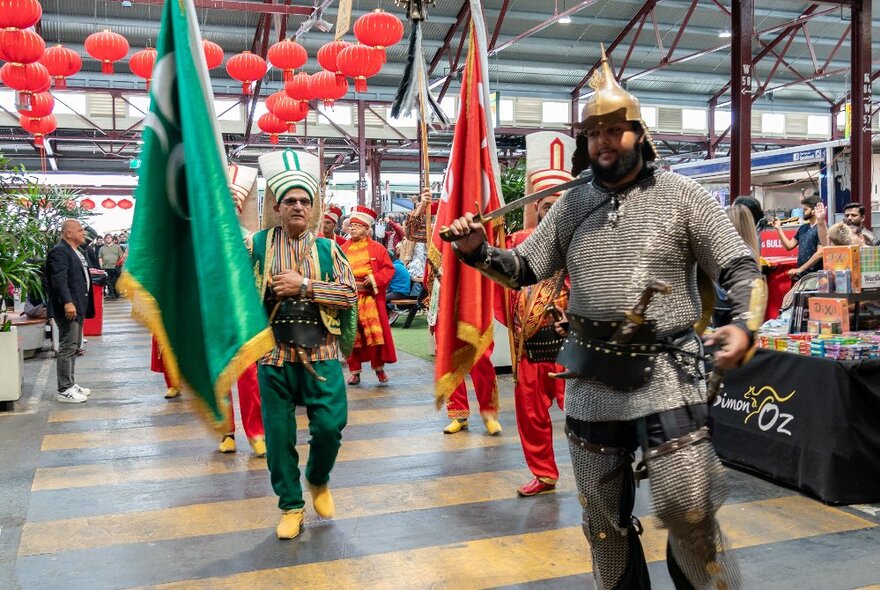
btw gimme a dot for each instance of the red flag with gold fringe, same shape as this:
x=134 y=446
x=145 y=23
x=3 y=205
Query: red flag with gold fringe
x=464 y=317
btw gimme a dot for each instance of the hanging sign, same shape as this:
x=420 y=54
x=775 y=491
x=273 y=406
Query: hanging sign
x=343 y=19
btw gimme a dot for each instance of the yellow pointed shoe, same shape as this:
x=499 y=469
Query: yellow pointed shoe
x=457 y=425
x=290 y=525
x=322 y=500
x=227 y=445
x=172 y=393
x=259 y=446
x=493 y=426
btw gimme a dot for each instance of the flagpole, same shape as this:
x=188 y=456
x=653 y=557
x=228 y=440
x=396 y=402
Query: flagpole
x=426 y=161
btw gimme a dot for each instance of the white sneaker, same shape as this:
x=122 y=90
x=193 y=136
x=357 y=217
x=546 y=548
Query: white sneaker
x=83 y=390
x=70 y=396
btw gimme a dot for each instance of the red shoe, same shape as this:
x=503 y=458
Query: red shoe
x=354 y=379
x=382 y=376
x=535 y=487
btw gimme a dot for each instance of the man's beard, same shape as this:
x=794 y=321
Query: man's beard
x=627 y=161
x=852 y=224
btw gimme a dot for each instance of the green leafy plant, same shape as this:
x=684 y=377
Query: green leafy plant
x=31 y=215
x=513 y=186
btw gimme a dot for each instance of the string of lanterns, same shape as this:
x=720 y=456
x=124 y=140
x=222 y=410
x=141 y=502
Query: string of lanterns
x=31 y=68
x=108 y=203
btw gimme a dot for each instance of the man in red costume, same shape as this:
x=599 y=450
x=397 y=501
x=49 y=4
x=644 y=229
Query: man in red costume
x=373 y=271
x=532 y=308
x=330 y=222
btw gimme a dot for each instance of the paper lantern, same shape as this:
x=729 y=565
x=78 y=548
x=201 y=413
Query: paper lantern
x=379 y=29
x=39 y=128
x=328 y=56
x=41 y=105
x=287 y=55
x=300 y=87
x=61 y=62
x=213 y=53
x=125 y=204
x=359 y=62
x=87 y=204
x=327 y=87
x=23 y=47
x=107 y=47
x=19 y=14
x=287 y=109
x=108 y=203
x=272 y=125
x=141 y=64
x=246 y=68
x=27 y=79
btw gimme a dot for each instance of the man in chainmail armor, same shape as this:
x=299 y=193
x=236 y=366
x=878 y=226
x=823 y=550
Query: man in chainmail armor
x=637 y=379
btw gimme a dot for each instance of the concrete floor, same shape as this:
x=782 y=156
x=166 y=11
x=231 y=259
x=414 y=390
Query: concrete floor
x=128 y=490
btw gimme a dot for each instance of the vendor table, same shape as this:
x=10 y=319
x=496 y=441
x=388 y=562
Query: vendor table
x=809 y=422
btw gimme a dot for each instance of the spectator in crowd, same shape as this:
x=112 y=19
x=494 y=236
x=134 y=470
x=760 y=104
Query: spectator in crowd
x=854 y=217
x=93 y=251
x=70 y=304
x=809 y=236
x=839 y=234
x=401 y=284
x=111 y=257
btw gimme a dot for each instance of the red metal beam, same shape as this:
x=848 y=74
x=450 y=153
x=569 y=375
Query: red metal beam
x=684 y=24
x=498 y=24
x=549 y=22
x=860 y=134
x=266 y=22
x=632 y=46
x=741 y=66
x=453 y=65
x=463 y=12
x=238 y=6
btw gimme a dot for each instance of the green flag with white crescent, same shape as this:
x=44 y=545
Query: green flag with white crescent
x=188 y=273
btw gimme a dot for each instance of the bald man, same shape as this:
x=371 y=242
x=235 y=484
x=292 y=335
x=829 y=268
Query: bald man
x=70 y=303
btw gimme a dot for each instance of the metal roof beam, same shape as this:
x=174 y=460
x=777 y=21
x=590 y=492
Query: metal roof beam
x=238 y=6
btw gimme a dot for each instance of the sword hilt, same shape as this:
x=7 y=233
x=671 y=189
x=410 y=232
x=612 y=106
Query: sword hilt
x=446 y=233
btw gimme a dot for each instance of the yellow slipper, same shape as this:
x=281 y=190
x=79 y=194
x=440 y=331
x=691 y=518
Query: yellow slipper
x=259 y=446
x=493 y=426
x=457 y=425
x=172 y=393
x=322 y=500
x=290 y=525
x=227 y=445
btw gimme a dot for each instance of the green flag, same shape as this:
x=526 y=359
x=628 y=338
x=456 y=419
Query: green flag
x=188 y=273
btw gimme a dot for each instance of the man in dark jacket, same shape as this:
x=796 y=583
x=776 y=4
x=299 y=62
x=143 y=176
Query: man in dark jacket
x=70 y=302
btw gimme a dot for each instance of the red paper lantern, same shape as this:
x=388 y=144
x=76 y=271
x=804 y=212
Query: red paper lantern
x=62 y=62
x=327 y=87
x=379 y=29
x=269 y=123
x=287 y=109
x=299 y=88
x=213 y=53
x=39 y=127
x=87 y=204
x=42 y=104
x=108 y=203
x=125 y=204
x=287 y=55
x=28 y=79
x=19 y=14
x=107 y=47
x=141 y=64
x=246 y=68
x=23 y=47
x=359 y=62
x=328 y=55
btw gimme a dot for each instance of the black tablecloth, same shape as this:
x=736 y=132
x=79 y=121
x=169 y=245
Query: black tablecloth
x=813 y=423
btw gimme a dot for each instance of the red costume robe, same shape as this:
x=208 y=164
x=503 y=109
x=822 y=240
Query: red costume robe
x=383 y=271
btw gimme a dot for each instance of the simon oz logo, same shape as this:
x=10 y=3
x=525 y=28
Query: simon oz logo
x=760 y=406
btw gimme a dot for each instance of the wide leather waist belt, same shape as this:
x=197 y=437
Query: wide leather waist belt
x=543 y=346
x=297 y=322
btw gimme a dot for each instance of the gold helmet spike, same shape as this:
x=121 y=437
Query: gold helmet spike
x=610 y=103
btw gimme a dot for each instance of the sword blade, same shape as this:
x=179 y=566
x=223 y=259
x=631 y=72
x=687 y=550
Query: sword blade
x=532 y=197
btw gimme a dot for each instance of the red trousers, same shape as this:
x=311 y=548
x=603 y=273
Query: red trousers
x=363 y=354
x=156 y=364
x=251 y=408
x=485 y=386
x=534 y=395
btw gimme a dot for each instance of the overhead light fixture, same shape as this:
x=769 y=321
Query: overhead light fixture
x=126 y=3
x=565 y=20
x=725 y=34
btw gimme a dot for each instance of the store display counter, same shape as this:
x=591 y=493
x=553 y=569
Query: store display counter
x=809 y=422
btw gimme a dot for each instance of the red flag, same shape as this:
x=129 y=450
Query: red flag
x=464 y=316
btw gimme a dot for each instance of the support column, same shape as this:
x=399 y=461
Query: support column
x=375 y=180
x=860 y=135
x=322 y=170
x=743 y=25
x=575 y=116
x=362 y=153
x=710 y=148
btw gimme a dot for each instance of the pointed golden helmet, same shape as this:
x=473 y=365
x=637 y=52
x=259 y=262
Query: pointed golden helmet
x=610 y=103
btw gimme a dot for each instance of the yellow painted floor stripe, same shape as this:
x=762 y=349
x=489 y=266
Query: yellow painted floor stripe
x=519 y=559
x=197 y=430
x=163 y=468
x=255 y=513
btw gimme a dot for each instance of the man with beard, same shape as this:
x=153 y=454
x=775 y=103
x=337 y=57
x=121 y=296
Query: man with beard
x=854 y=217
x=808 y=238
x=637 y=377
